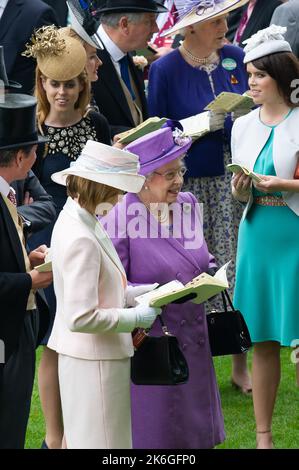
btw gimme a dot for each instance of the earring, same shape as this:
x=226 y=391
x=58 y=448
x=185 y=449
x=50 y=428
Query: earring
x=146 y=188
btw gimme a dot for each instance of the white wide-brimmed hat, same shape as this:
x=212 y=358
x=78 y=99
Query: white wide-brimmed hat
x=106 y=165
x=266 y=41
x=196 y=11
x=84 y=23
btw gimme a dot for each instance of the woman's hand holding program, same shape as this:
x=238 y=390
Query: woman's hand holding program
x=241 y=186
x=270 y=184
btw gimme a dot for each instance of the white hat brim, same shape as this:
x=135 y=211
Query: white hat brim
x=267 y=48
x=193 y=18
x=76 y=26
x=124 y=181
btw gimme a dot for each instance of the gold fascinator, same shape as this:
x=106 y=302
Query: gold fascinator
x=59 y=57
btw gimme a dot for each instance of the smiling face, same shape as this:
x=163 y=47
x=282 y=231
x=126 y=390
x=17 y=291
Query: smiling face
x=93 y=62
x=263 y=88
x=165 y=183
x=211 y=34
x=62 y=96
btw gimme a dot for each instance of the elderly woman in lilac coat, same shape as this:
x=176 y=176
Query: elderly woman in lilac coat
x=158 y=236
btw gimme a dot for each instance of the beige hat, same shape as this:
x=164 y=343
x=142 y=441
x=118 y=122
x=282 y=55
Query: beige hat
x=196 y=11
x=106 y=165
x=59 y=56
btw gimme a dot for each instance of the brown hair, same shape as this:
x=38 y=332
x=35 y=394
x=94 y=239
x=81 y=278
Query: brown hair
x=43 y=106
x=7 y=156
x=283 y=67
x=90 y=194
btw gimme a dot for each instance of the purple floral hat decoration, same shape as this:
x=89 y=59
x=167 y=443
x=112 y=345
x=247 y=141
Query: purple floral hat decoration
x=160 y=147
x=196 y=11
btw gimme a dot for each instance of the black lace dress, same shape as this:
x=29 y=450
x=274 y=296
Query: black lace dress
x=63 y=147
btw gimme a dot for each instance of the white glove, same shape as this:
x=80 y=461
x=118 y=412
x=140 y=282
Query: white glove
x=141 y=316
x=135 y=291
x=216 y=120
x=239 y=112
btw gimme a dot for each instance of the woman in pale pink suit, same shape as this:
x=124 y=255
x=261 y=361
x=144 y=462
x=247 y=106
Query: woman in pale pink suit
x=91 y=332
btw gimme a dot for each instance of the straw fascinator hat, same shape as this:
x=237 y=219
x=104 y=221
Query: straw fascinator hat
x=106 y=165
x=196 y=11
x=59 y=57
x=266 y=41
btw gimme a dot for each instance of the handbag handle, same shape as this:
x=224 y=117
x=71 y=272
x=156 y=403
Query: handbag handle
x=140 y=334
x=225 y=296
x=164 y=327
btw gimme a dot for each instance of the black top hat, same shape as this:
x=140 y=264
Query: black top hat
x=18 y=122
x=115 y=6
x=3 y=76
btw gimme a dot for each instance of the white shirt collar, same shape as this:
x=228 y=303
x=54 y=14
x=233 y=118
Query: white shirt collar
x=3 y=4
x=4 y=186
x=114 y=51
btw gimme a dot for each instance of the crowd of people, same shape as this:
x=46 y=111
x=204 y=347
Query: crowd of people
x=69 y=189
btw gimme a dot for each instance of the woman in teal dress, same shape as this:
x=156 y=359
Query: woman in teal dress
x=266 y=141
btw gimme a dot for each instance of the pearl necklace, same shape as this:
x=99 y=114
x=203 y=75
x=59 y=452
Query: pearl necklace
x=206 y=60
x=159 y=212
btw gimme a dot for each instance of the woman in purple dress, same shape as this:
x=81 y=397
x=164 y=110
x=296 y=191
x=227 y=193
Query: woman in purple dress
x=181 y=85
x=158 y=236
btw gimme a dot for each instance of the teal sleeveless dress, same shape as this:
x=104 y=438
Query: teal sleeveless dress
x=267 y=273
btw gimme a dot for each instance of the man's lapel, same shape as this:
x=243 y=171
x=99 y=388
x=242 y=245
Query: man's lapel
x=13 y=235
x=110 y=77
x=137 y=76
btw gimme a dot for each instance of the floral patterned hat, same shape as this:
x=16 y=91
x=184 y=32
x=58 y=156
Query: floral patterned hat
x=196 y=11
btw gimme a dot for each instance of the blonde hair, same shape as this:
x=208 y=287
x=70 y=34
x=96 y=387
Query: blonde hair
x=89 y=193
x=43 y=106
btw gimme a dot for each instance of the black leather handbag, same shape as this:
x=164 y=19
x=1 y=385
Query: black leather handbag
x=228 y=332
x=159 y=361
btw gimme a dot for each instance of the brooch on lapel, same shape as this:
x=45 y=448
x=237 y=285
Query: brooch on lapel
x=187 y=207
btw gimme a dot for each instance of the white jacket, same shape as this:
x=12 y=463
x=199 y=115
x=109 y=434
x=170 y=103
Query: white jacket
x=249 y=136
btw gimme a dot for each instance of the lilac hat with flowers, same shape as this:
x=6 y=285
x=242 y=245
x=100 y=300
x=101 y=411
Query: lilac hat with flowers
x=160 y=147
x=190 y=12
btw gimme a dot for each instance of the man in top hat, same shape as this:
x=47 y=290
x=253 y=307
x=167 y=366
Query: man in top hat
x=18 y=278
x=18 y=19
x=126 y=25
